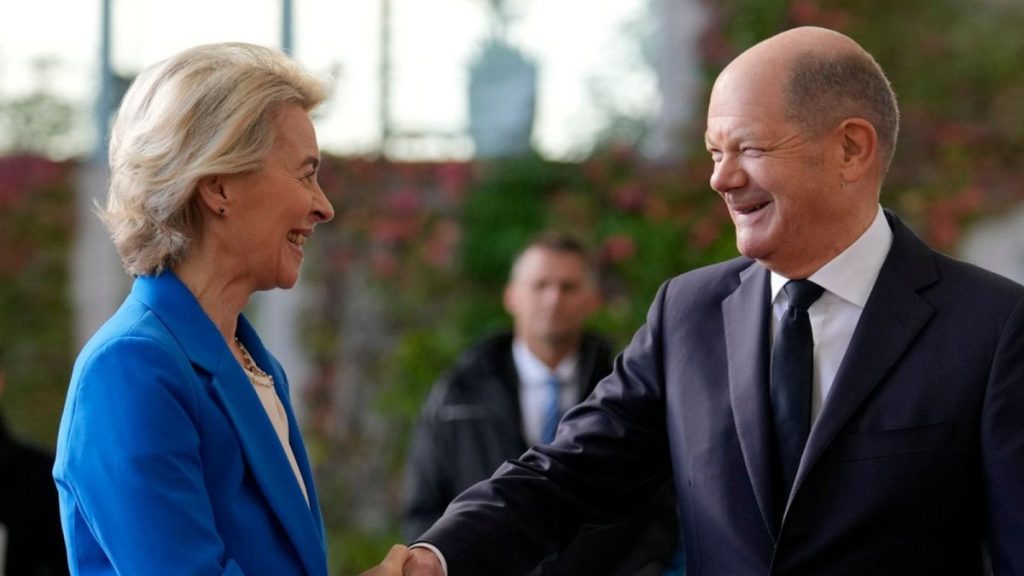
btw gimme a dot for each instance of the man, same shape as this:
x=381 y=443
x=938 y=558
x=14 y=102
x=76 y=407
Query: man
x=913 y=394
x=31 y=542
x=508 y=392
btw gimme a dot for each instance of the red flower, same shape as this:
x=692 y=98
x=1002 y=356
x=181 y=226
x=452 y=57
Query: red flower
x=617 y=248
x=629 y=197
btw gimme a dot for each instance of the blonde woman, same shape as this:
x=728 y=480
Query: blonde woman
x=178 y=451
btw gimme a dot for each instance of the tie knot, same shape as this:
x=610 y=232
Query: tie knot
x=802 y=293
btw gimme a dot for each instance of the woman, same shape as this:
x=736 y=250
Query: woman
x=178 y=450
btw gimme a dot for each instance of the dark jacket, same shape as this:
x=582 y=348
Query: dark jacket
x=471 y=424
x=28 y=510
x=914 y=464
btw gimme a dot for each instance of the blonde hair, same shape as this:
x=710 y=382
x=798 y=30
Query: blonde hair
x=204 y=111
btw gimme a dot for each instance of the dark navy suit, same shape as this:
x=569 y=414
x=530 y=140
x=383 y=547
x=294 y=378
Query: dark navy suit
x=915 y=465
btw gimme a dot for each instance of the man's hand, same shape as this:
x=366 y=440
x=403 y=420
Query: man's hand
x=422 y=562
x=393 y=563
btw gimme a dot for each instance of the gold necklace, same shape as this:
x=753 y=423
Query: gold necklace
x=256 y=374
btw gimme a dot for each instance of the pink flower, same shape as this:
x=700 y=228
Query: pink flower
x=404 y=201
x=439 y=251
x=617 y=248
x=629 y=197
x=394 y=229
x=383 y=264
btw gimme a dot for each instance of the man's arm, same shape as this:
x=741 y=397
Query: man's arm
x=1002 y=441
x=423 y=562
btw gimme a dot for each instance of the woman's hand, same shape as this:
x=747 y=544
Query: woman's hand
x=393 y=563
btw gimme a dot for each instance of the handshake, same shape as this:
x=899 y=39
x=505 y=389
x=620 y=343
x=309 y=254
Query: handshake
x=401 y=561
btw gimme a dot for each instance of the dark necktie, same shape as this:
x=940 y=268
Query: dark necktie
x=554 y=410
x=792 y=372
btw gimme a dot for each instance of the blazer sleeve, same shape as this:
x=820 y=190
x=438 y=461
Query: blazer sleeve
x=609 y=457
x=129 y=464
x=1002 y=445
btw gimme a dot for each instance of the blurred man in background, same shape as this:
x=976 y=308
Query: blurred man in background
x=509 y=391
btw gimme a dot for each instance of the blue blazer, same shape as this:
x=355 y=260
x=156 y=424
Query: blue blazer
x=167 y=462
x=915 y=464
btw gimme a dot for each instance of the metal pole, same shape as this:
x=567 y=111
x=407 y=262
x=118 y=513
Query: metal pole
x=385 y=74
x=104 y=104
x=286 y=27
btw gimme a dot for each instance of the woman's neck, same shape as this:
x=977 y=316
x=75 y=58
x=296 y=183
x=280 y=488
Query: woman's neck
x=221 y=295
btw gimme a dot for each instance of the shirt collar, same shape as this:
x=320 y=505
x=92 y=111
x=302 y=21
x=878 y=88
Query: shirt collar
x=852 y=273
x=533 y=372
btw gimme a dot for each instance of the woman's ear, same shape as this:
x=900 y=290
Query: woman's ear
x=211 y=194
x=860 y=148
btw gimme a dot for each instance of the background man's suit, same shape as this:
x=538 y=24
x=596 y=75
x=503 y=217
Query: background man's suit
x=471 y=424
x=916 y=456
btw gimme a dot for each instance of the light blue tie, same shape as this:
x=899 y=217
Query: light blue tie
x=554 y=410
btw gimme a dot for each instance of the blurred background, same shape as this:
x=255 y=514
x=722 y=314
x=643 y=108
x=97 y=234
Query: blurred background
x=457 y=129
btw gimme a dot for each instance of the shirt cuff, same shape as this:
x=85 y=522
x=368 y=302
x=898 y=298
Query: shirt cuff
x=432 y=548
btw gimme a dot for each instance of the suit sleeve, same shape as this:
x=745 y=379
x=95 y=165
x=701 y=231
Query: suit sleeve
x=1002 y=441
x=129 y=466
x=609 y=457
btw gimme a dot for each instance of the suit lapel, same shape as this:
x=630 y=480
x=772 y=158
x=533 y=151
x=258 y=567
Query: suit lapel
x=266 y=456
x=893 y=316
x=193 y=330
x=745 y=314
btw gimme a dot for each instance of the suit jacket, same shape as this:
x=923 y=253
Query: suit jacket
x=915 y=464
x=28 y=510
x=472 y=423
x=167 y=462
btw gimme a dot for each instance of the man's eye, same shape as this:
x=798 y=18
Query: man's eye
x=752 y=151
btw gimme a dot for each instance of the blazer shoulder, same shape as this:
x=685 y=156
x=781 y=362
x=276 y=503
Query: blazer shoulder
x=133 y=320
x=712 y=283
x=992 y=283
x=988 y=294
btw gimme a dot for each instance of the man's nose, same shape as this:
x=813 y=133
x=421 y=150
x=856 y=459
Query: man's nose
x=728 y=174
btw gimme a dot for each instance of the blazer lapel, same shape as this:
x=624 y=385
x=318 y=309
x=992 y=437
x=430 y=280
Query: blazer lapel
x=892 y=317
x=745 y=314
x=263 y=449
x=180 y=312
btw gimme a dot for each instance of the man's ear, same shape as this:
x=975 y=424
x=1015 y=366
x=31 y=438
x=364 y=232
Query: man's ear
x=508 y=299
x=211 y=194
x=860 y=148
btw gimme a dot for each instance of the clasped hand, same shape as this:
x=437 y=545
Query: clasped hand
x=402 y=561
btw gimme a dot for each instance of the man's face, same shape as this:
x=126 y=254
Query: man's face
x=780 y=182
x=550 y=296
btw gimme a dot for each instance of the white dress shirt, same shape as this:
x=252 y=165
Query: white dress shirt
x=847 y=279
x=534 y=393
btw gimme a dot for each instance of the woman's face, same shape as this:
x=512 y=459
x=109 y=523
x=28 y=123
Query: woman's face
x=274 y=209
